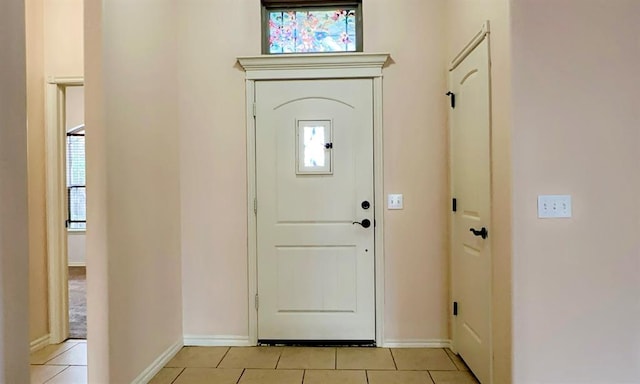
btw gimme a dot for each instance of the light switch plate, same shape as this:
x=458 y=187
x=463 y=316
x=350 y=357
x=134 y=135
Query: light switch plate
x=394 y=201
x=554 y=206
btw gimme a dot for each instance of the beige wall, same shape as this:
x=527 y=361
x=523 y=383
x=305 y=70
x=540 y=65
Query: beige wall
x=54 y=49
x=415 y=157
x=133 y=245
x=576 y=131
x=213 y=165
x=98 y=321
x=74 y=108
x=76 y=249
x=63 y=38
x=464 y=19
x=14 y=330
x=38 y=310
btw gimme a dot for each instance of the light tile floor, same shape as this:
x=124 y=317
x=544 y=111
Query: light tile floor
x=64 y=363
x=289 y=365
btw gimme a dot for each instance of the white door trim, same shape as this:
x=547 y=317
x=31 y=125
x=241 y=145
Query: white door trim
x=55 y=205
x=315 y=66
x=474 y=42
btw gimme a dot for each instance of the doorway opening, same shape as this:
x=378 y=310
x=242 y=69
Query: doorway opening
x=66 y=209
x=76 y=222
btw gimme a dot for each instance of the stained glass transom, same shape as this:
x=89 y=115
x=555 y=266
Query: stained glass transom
x=296 y=31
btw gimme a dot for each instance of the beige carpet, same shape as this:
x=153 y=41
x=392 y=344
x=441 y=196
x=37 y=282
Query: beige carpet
x=77 y=303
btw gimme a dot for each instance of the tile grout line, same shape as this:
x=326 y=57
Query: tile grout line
x=279 y=357
x=431 y=377
x=179 y=374
x=242 y=374
x=393 y=358
x=52 y=377
x=60 y=354
x=223 y=356
x=451 y=359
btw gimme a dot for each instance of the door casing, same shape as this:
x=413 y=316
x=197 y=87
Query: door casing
x=315 y=66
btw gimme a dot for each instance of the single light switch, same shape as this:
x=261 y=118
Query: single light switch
x=554 y=206
x=394 y=201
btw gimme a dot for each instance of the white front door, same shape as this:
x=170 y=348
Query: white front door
x=471 y=183
x=314 y=162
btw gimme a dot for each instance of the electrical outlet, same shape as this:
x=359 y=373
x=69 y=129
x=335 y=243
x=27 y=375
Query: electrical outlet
x=394 y=201
x=554 y=206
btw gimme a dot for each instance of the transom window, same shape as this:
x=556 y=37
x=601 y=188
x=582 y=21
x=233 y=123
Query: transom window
x=311 y=26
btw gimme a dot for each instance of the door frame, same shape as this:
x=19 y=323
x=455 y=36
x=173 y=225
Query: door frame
x=55 y=139
x=315 y=66
x=477 y=39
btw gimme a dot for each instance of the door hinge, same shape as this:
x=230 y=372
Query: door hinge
x=254 y=109
x=455 y=308
x=452 y=96
x=255 y=206
x=257 y=301
x=454 y=204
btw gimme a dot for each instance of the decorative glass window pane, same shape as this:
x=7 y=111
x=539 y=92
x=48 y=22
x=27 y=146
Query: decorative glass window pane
x=313 y=29
x=314 y=147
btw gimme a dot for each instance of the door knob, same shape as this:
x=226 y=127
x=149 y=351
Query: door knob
x=482 y=232
x=366 y=223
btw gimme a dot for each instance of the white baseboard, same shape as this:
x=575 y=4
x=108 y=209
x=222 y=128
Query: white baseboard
x=77 y=264
x=430 y=343
x=217 y=341
x=39 y=343
x=156 y=366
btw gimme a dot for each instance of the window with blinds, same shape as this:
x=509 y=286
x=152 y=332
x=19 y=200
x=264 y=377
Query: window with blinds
x=76 y=180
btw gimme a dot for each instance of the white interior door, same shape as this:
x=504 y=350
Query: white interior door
x=314 y=155
x=471 y=177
